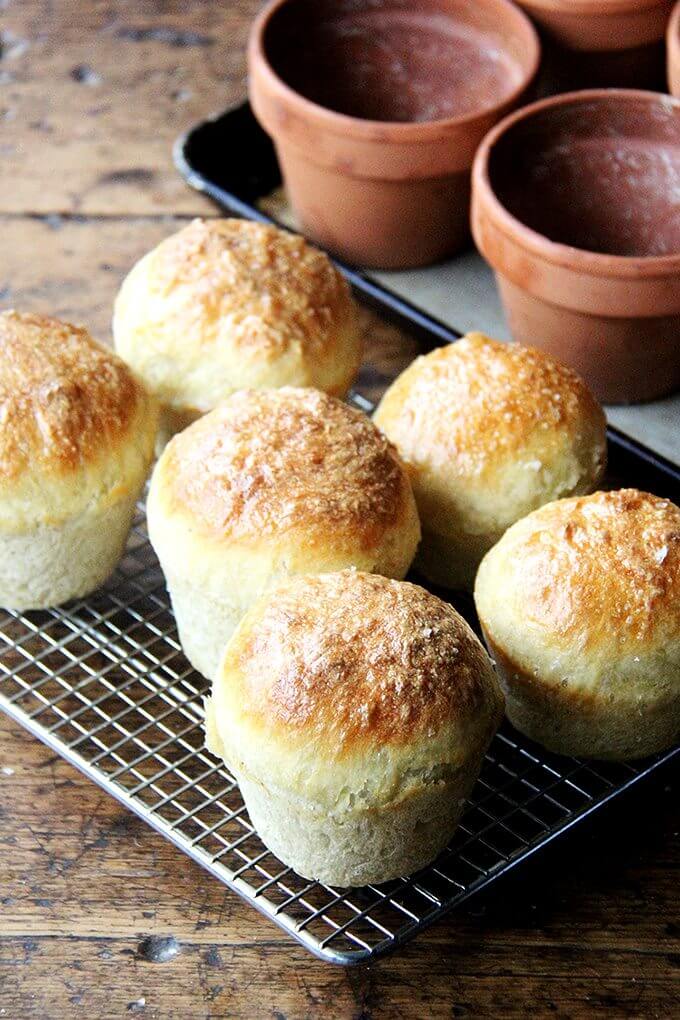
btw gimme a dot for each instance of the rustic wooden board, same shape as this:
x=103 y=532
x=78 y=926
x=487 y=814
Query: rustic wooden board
x=92 y=94
x=593 y=932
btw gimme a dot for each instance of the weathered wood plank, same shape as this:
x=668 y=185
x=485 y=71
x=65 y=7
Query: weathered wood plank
x=92 y=96
x=109 y=978
x=85 y=884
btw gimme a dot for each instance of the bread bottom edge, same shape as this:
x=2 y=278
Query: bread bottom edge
x=52 y=564
x=361 y=847
x=567 y=723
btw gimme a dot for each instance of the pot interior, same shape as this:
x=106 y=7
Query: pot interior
x=400 y=60
x=601 y=174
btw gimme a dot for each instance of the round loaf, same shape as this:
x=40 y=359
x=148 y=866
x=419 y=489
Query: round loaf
x=489 y=432
x=227 y=304
x=271 y=483
x=580 y=607
x=76 y=440
x=355 y=711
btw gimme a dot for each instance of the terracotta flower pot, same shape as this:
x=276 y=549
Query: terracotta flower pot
x=673 y=51
x=575 y=206
x=376 y=110
x=593 y=43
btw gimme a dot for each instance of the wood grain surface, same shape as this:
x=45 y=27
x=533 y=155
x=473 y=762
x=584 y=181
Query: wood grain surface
x=92 y=95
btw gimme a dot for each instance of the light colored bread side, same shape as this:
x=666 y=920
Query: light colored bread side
x=51 y=564
x=355 y=711
x=489 y=432
x=580 y=605
x=205 y=620
x=228 y=304
x=360 y=847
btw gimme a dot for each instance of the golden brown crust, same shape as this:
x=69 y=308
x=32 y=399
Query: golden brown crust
x=349 y=658
x=600 y=568
x=273 y=287
x=225 y=305
x=269 y=462
x=63 y=397
x=471 y=403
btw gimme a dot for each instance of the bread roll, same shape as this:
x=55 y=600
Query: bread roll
x=227 y=304
x=271 y=483
x=76 y=440
x=580 y=606
x=490 y=432
x=355 y=712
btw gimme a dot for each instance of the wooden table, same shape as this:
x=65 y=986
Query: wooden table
x=92 y=95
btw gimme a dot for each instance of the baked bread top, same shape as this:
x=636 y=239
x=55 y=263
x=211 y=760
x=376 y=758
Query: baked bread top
x=492 y=431
x=587 y=591
x=293 y=470
x=76 y=427
x=225 y=304
x=353 y=688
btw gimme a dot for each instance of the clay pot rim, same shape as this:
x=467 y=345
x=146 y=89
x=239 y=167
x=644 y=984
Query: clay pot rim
x=593 y=6
x=673 y=34
x=564 y=255
x=399 y=131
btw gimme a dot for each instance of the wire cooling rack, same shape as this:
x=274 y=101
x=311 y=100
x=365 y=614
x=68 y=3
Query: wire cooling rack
x=104 y=682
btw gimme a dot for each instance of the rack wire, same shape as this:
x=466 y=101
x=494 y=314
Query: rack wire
x=103 y=681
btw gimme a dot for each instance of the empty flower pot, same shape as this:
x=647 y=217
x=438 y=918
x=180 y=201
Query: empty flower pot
x=593 y=43
x=673 y=51
x=576 y=207
x=376 y=110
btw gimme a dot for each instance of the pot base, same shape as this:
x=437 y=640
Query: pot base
x=623 y=360
x=378 y=224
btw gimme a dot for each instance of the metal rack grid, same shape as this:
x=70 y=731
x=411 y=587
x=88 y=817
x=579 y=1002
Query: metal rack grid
x=104 y=682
